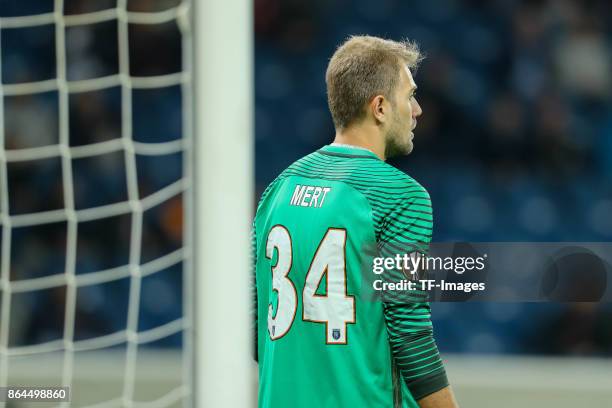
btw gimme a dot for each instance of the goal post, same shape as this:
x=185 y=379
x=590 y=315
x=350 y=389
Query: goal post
x=223 y=162
x=215 y=364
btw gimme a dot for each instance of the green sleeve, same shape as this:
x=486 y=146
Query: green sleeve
x=408 y=228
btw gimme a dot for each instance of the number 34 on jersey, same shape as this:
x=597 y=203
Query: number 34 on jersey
x=336 y=309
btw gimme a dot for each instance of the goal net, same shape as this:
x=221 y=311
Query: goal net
x=96 y=263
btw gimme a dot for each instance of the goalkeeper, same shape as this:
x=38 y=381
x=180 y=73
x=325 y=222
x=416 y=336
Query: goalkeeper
x=319 y=341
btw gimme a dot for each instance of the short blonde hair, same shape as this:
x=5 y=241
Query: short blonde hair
x=361 y=68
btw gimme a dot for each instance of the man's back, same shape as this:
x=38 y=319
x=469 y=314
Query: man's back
x=324 y=339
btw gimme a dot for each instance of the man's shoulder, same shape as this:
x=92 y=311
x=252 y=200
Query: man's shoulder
x=374 y=178
x=396 y=183
x=357 y=165
x=400 y=178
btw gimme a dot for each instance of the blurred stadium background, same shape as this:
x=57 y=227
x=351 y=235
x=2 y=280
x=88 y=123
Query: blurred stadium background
x=515 y=144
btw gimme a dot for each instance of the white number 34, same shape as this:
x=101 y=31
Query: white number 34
x=336 y=309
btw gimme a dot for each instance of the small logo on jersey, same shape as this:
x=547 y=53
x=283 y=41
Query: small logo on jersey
x=336 y=334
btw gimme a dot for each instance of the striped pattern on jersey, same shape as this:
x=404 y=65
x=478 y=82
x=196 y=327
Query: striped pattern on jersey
x=403 y=222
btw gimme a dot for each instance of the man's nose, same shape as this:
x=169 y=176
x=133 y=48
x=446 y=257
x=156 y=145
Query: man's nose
x=416 y=111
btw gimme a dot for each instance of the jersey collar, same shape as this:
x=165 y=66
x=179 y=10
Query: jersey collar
x=344 y=150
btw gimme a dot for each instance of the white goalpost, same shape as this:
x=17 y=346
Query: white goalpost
x=224 y=194
x=213 y=367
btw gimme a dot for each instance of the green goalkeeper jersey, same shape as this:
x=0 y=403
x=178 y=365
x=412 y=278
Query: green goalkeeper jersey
x=323 y=338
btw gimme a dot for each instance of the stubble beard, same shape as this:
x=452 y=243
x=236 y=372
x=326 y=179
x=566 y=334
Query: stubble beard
x=398 y=140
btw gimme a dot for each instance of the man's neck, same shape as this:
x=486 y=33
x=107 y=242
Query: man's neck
x=362 y=137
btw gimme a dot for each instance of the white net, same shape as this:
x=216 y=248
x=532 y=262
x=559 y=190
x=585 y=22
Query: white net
x=135 y=267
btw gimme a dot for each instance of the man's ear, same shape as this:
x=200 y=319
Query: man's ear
x=378 y=108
